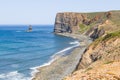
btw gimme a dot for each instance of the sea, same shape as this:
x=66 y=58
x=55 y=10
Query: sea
x=21 y=52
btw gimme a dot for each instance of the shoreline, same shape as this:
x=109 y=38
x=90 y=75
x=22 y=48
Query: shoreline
x=53 y=69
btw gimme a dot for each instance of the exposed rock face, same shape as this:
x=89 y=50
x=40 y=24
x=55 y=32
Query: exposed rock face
x=100 y=62
x=67 y=22
x=97 y=33
x=99 y=52
x=108 y=51
x=108 y=15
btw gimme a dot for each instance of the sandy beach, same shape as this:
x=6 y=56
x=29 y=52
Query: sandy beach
x=63 y=65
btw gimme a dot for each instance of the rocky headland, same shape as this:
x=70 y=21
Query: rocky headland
x=99 y=60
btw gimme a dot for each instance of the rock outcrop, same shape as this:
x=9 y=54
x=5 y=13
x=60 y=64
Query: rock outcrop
x=68 y=22
x=107 y=51
x=101 y=60
x=105 y=48
x=97 y=33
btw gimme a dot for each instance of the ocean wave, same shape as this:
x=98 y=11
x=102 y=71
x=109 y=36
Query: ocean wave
x=62 y=52
x=15 y=65
x=35 y=69
x=75 y=42
x=53 y=58
x=13 y=76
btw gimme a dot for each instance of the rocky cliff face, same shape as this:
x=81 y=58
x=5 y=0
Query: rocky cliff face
x=101 y=50
x=91 y=24
x=101 y=60
x=67 y=22
x=104 y=50
x=80 y=22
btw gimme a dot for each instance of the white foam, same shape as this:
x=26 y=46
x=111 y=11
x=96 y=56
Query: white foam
x=19 y=76
x=13 y=76
x=35 y=69
x=60 y=53
x=54 y=57
x=75 y=42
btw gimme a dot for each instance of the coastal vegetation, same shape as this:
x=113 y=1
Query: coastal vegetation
x=111 y=35
x=104 y=29
x=100 y=60
x=83 y=28
x=107 y=37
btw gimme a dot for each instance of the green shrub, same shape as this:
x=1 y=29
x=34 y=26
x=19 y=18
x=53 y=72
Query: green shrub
x=108 y=62
x=88 y=69
x=107 y=37
x=111 y=35
x=83 y=28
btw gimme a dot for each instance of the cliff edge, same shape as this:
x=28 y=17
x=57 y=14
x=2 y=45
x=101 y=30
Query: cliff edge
x=67 y=22
x=101 y=60
x=92 y=24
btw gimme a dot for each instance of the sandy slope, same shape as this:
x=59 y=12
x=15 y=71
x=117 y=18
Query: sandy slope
x=107 y=63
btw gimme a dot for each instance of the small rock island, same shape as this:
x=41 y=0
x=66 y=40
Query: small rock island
x=30 y=28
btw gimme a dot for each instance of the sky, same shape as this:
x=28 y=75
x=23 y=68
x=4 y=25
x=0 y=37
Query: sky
x=44 y=11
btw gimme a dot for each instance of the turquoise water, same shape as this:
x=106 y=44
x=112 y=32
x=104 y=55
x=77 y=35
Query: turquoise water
x=20 y=51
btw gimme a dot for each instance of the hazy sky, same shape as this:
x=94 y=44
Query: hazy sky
x=44 y=11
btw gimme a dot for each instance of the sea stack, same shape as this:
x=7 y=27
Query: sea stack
x=30 y=28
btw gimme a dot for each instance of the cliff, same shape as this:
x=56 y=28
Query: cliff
x=101 y=60
x=67 y=22
x=92 y=24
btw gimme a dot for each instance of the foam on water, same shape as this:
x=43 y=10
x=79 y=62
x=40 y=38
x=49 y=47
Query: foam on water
x=62 y=52
x=13 y=76
x=35 y=69
x=21 y=51
x=54 y=57
x=75 y=42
